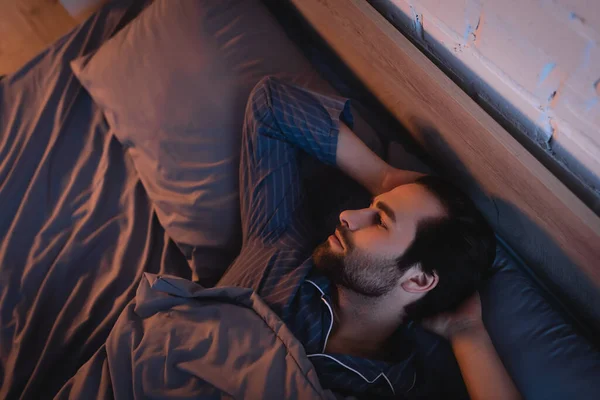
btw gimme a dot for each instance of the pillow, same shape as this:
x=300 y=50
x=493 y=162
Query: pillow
x=173 y=85
x=542 y=351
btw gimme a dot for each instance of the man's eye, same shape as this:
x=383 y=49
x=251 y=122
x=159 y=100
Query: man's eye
x=379 y=221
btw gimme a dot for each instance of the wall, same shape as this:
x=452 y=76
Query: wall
x=535 y=63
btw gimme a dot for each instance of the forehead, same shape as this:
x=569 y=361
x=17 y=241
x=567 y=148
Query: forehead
x=412 y=202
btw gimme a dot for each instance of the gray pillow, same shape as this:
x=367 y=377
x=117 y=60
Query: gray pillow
x=173 y=85
x=543 y=352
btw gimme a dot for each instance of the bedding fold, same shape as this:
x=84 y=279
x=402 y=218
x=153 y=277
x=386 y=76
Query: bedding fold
x=177 y=339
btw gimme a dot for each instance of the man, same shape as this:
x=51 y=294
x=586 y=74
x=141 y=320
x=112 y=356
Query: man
x=417 y=251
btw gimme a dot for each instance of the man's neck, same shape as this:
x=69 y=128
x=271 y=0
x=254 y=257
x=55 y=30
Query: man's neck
x=362 y=325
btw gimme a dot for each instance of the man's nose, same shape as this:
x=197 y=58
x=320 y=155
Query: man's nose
x=356 y=219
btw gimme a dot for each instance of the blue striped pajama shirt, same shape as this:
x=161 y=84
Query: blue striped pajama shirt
x=282 y=122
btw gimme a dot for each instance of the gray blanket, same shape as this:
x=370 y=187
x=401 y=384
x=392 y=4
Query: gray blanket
x=178 y=340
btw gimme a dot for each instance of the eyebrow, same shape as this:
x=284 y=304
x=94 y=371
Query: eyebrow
x=387 y=210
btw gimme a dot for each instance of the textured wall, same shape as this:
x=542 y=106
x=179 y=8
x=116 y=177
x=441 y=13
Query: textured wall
x=536 y=62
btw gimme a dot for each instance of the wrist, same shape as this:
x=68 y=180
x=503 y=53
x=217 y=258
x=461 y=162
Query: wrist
x=384 y=179
x=392 y=177
x=466 y=329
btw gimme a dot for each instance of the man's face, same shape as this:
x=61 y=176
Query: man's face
x=361 y=254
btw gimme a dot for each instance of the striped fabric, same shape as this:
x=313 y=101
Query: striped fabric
x=282 y=123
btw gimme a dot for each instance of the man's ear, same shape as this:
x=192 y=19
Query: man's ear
x=419 y=282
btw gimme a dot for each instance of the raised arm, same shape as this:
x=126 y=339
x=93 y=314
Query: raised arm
x=298 y=116
x=482 y=370
x=355 y=159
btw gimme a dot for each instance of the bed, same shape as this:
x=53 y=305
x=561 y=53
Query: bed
x=94 y=212
x=77 y=228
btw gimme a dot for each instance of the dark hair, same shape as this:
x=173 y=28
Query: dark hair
x=460 y=247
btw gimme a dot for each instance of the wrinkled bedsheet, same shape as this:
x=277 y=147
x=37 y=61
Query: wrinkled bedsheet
x=77 y=230
x=179 y=340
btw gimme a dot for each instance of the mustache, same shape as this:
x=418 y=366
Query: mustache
x=346 y=235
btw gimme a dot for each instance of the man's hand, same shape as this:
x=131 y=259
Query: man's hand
x=482 y=370
x=465 y=319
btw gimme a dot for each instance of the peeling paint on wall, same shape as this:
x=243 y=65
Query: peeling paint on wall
x=574 y=16
x=547 y=129
x=468 y=32
x=418 y=22
x=534 y=64
x=546 y=71
x=594 y=100
x=477 y=32
x=472 y=18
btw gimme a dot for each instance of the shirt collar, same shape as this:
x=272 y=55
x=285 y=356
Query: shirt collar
x=400 y=377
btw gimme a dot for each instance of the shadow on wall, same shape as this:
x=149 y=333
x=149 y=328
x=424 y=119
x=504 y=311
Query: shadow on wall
x=502 y=110
x=571 y=289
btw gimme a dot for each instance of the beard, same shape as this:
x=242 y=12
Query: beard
x=362 y=273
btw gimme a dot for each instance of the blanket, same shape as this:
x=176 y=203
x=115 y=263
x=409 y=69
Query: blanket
x=179 y=340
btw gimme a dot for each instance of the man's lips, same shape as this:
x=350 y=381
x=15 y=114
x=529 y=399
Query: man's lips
x=339 y=239
x=334 y=241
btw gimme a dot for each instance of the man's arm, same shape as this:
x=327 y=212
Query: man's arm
x=282 y=119
x=482 y=370
x=355 y=159
x=298 y=116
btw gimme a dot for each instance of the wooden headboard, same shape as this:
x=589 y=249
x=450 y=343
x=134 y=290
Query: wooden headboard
x=545 y=223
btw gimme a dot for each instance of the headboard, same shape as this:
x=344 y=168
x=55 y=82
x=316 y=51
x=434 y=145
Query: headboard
x=545 y=223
